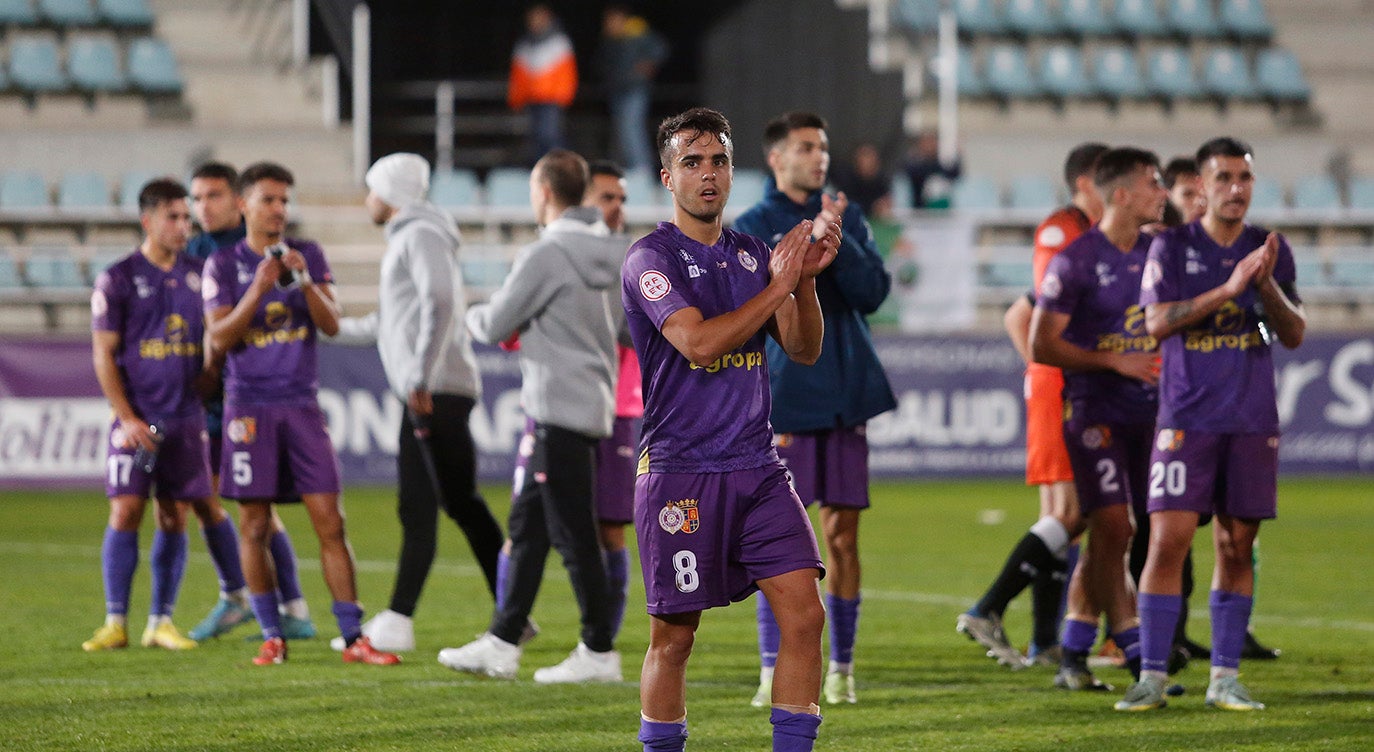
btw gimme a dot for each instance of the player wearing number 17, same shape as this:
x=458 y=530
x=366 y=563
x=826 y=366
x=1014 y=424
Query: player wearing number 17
x=715 y=516
x=1215 y=292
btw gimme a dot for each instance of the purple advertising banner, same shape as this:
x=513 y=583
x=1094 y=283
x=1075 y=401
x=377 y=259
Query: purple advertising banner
x=959 y=410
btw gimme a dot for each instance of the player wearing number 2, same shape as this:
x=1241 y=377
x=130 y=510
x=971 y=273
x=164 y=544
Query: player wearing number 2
x=715 y=516
x=1216 y=292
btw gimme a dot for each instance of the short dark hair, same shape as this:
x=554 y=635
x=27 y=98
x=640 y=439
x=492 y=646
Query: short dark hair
x=695 y=121
x=259 y=171
x=217 y=171
x=1177 y=168
x=1119 y=163
x=159 y=191
x=780 y=127
x=565 y=173
x=1222 y=146
x=1081 y=161
x=605 y=167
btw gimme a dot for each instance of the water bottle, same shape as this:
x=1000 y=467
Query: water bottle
x=146 y=459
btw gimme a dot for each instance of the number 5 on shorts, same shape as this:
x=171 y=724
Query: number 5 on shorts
x=685 y=565
x=242 y=469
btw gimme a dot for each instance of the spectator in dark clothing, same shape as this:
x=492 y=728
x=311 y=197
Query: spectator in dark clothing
x=629 y=57
x=864 y=181
x=932 y=180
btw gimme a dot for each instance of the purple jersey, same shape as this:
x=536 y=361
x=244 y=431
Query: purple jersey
x=1219 y=375
x=1098 y=286
x=698 y=419
x=158 y=318
x=276 y=361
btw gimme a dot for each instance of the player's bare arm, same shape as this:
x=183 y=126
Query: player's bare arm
x=1287 y=318
x=324 y=311
x=702 y=340
x=103 y=348
x=1016 y=322
x=799 y=325
x=1164 y=320
x=225 y=325
x=1048 y=346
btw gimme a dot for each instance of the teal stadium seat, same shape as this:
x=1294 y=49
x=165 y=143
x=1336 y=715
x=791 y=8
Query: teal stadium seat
x=1352 y=268
x=1033 y=192
x=1062 y=73
x=978 y=17
x=916 y=16
x=1031 y=18
x=36 y=65
x=23 y=190
x=900 y=191
x=93 y=63
x=1279 y=76
x=17 y=13
x=1008 y=72
x=969 y=83
x=643 y=189
x=1310 y=269
x=508 y=188
x=455 y=189
x=1267 y=195
x=1170 y=74
x=1086 y=18
x=748 y=187
x=53 y=270
x=1245 y=20
x=1316 y=193
x=1362 y=193
x=125 y=14
x=153 y=67
x=68 y=12
x=83 y=192
x=975 y=193
x=1116 y=73
x=130 y=183
x=1193 y=19
x=1139 y=18
x=103 y=259
x=1226 y=75
x=10 y=279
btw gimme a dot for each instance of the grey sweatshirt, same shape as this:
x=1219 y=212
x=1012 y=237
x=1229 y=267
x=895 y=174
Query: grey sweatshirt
x=418 y=325
x=563 y=297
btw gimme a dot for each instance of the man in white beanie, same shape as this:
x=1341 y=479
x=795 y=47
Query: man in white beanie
x=427 y=355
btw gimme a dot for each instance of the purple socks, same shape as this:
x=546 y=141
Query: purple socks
x=169 y=564
x=662 y=737
x=618 y=578
x=223 y=542
x=284 y=559
x=118 y=560
x=1078 y=636
x=1230 y=621
x=1158 y=619
x=265 y=609
x=350 y=619
x=769 y=636
x=502 y=577
x=794 y=732
x=844 y=624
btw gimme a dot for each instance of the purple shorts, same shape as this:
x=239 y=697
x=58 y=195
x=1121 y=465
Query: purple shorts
x=1110 y=463
x=182 y=471
x=276 y=451
x=1235 y=474
x=830 y=467
x=706 y=539
x=615 y=473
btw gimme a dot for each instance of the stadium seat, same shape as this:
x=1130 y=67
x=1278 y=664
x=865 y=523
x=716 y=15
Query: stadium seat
x=455 y=189
x=1139 y=18
x=53 y=270
x=748 y=187
x=36 y=65
x=1062 y=73
x=1085 y=18
x=1279 y=76
x=1170 y=74
x=1267 y=195
x=130 y=183
x=1310 y=268
x=970 y=84
x=916 y=16
x=83 y=192
x=978 y=17
x=153 y=68
x=1354 y=268
x=508 y=188
x=1225 y=74
x=10 y=280
x=975 y=193
x=1245 y=20
x=1008 y=73
x=1192 y=19
x=1316 y=193
x=1362 y=193
x=17 y=13
x=93 y=63
x=900 y=191
x=643 y=189
x=125 y=14
x=103 y=259
x=1033 y=192
x=68 y=12
x=1116 y=74
x=23 y=190
x=1030 y=18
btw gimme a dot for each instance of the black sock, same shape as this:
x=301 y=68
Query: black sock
x=1030 y=557
x=1047 y=591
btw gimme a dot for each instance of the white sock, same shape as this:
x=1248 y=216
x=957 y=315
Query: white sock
x=297 y=608
x=118 y=620
x=844 y=669
x=1223 y=672
x=765 y=674
x=238 y=597
x=1154 y=677
x=1055 y=536
x=154 y=620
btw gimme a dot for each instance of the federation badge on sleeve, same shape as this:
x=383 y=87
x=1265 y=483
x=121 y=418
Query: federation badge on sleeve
x=654 y=285
x=680 y=516
x=1050 y=286
x=242 y=430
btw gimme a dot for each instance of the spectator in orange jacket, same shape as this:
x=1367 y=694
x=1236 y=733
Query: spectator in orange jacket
x=543 y=77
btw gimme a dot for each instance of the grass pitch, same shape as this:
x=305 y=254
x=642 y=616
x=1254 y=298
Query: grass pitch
x=928 y=550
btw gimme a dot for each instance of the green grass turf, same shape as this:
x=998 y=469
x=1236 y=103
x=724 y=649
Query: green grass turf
x=928 y=550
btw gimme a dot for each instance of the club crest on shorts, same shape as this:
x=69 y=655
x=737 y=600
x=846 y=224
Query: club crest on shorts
x=748 y=262
x=1097 y=437
x=680 y=516
x=1169 y=440
x=242 y=430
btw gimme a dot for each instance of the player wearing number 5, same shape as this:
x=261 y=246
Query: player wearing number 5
x=715 y=516
x=1216 y=292
x=265 y=298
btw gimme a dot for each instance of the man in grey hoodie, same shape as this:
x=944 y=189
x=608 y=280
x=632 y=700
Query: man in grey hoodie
x=561 y=298
x=427 y=356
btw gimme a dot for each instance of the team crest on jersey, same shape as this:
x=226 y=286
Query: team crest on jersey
x=145 y=290
x=242 y=430
x=654 y=285
x=1151 y=276
x=193 y=281
x=680 y=516
x=748 y=262
x=1169 y=440
x=99 y=304
x=1097 y=437
x=1050 y=286
x=1104 y=275
x=209 y=289
x=686 y=256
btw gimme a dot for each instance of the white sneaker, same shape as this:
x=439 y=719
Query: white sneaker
x=488 y=655
x=389 y=632
x=582 y=665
